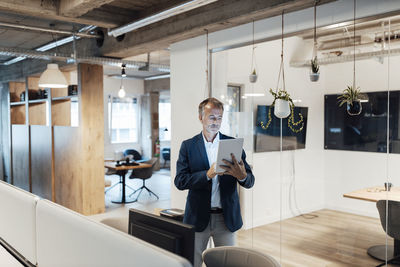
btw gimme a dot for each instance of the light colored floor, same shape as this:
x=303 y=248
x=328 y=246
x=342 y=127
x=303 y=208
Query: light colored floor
x=333 y=239
x=159 y=183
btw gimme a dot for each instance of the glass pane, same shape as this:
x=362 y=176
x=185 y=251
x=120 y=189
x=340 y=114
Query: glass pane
x=318 y=180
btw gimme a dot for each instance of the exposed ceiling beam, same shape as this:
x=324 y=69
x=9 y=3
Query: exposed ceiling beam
x=77 y=8
x=48 y=9
x=216 y=16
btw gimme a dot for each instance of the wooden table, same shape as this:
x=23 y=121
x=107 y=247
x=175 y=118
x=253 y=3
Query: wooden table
x=122 y=171
x=374 y=194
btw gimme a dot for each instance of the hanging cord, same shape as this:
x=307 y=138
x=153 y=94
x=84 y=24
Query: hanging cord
x=314 y=56
x=291 y=121
x=354 y=46
x=207 y=87
x=387 y=144
x=253 y=56
x=292 y=187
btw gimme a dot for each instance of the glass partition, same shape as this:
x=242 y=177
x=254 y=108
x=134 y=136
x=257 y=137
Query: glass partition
x=316 y=197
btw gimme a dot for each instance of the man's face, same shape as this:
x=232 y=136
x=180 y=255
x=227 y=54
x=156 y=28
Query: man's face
x=211 y=119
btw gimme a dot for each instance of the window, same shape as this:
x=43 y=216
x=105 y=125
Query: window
x=123 y=119
x=164 y=111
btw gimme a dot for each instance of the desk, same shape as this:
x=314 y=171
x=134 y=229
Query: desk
x=374 y=194
x=122 y=171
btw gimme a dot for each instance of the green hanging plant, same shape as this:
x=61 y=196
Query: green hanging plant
x=284 y=95
x=350 y=94
x=314 y=65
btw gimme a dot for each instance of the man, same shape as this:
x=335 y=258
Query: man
x=212 y=204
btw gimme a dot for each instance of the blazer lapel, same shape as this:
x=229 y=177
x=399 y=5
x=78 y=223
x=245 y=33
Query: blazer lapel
x=202 y=150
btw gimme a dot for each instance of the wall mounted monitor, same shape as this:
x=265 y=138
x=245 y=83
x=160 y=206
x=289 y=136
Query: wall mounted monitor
x=269 y=139
x=367 y=131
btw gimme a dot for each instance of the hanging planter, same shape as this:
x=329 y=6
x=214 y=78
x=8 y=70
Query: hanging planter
x=314 y=72
x=282 y=103
x=351 y=97
x=314 y=75
x=253 y=76
x=283 y=108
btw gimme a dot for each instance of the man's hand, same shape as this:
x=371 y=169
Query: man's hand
x=234 y=168
x=211 y=172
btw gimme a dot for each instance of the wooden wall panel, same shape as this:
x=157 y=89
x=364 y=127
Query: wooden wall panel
x=17 y=114
x=59 y=92
x=33 y=83
x=68 y=177
x=92 y=136
x=61 y=113
x=37 y=114
x=20 y=156
x=41 y=154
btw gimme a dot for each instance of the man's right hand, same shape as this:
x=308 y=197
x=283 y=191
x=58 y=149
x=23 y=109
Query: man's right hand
x=211 y=172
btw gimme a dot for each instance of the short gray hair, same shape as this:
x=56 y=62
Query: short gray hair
x=211 y=100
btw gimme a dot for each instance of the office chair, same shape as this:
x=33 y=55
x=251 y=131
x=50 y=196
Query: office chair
x=166 y=154
x=144 y=174
x=237 y=257
x=136 y=155
x=393 y=224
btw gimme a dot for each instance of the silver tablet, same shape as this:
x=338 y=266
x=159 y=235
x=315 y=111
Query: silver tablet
x=225 y=148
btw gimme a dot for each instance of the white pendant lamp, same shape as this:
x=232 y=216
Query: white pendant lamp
x=121 y=92
x=52 y=77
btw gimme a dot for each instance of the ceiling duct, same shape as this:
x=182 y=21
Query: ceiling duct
x=18 y=52
x=346 y=58
x=39 y=29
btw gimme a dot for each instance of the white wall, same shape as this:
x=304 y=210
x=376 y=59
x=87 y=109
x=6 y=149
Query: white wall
x=132 y=87
x=187 y=90
x=346 y=171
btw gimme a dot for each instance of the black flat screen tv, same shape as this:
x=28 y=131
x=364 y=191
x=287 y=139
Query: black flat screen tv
x=165 y=233
x=367 y=131
x=269 y=139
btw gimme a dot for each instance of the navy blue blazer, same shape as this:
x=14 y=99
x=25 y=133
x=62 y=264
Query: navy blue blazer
x=191 y=169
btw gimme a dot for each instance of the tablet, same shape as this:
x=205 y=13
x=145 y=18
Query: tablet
x=225 y=148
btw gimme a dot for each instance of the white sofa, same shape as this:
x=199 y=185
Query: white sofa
x=49 y=235
x=18 y=221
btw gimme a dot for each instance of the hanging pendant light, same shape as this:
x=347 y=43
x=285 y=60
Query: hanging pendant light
x=52 y=77
x=121 y=92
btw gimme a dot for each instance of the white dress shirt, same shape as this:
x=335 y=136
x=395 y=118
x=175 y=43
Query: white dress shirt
x=212 y=149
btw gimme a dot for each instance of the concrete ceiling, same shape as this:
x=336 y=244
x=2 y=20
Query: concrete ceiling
x=73 y=15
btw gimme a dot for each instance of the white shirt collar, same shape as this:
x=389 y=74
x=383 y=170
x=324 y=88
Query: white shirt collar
x=216 y=139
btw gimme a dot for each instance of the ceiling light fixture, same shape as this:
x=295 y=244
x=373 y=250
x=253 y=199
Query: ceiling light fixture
x=123 y=73
x=52 y=77
x=159 y=16
x=156 y=77
x=121 y=92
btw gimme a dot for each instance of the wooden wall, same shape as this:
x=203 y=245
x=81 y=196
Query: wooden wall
x=92 y=136
x=67 y=168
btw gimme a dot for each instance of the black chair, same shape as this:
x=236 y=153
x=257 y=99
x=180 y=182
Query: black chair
x=144 y=174
x=393 y=230
x=166 y=154
x=136 y=155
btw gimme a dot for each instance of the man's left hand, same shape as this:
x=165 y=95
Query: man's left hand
x=234 y=168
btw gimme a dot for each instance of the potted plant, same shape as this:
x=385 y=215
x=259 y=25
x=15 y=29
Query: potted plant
x=351 y=97
x=314 y=75
x=283 y=107
x=253 y=76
